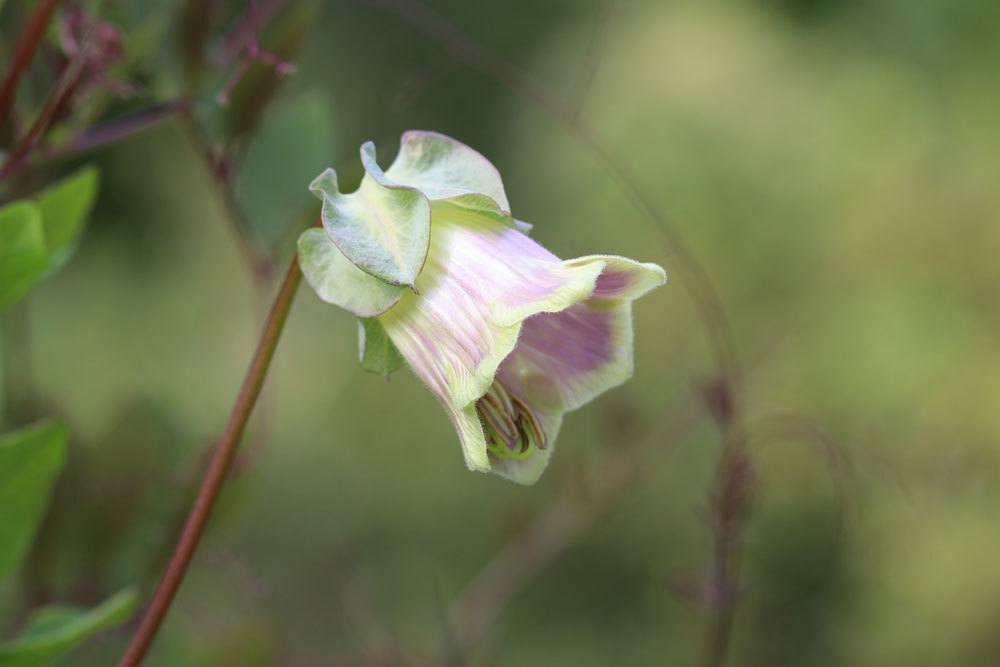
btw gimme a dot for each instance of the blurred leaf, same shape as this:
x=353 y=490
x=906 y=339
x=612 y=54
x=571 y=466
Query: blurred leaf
x=47 y=619
x=376 y=350
x=30 y=459
x=283 y=38
x=64 y=208
x=293 y=144
x=144 y=25
x=23 y=256
x=90 y=535
x=52 y=631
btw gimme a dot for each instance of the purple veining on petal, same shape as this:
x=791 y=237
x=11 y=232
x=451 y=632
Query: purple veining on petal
x=576 y=340
x=500 y=264
x=513 y=241
x=447 y=328
x=613 y=283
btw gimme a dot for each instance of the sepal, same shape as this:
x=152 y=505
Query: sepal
x=337 y=280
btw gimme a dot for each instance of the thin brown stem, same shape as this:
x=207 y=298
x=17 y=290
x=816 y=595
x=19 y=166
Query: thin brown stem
x=220 y=464
x=732 y=498
x=252 y=53
x=257 y=263
x=56 y=103
x=37 y=130
x=23 y=54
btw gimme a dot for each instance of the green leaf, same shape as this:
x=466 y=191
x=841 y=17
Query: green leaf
x=336 y=280
x=293 y=143
x=47 y=619
x=376 y=350
x=52 y=631
x=30 y=459
x=65 y=207
x=23 y=255
x=383 y=227
x=445 y=169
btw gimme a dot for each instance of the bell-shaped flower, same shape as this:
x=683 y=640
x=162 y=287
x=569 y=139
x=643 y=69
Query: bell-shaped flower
x=505 y=334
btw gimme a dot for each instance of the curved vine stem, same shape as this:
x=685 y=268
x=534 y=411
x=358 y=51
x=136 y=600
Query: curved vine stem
x=220 y=464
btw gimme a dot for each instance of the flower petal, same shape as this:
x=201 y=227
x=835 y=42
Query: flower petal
x=383 y=227
x=445 y=169
x=624 y=278
x=527 y=471
x=470 y=434
x=336 y=280
x=481 y=280
x=563 y=360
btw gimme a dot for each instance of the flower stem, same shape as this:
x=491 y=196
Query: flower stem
x=732 y=499
x=23 y=54
x=215 y=475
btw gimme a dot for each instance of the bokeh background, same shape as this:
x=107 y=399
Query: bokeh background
x=832 y=165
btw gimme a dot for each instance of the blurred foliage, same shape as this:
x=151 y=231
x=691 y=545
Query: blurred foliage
x=297 y=134
x=37 y=235
x=29 y=461
x=22 y=249
x=52 y=631
x=832 y=163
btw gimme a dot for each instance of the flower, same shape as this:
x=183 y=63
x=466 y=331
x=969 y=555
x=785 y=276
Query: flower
x=506 y=335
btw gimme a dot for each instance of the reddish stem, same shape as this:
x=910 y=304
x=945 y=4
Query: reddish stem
x=221 y=462
x=37 y=130
x=23 y=53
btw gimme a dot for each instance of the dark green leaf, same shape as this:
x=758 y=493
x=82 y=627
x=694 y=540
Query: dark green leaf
x=23 y=255
x=52 y=631
x=376 y=350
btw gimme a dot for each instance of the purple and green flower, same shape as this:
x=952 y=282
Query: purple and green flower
x=508 y=336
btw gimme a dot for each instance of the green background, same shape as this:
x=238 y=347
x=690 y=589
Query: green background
x=832 y=164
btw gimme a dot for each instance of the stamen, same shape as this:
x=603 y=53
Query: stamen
x=501 y=423
x=528 y=419
x=498 y=393
x=512 y=428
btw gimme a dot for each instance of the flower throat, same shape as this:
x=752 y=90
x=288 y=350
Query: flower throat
x=512 y=428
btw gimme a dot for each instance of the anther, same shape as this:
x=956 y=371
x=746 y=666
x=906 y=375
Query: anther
x=529 y=420
x=500 y=423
